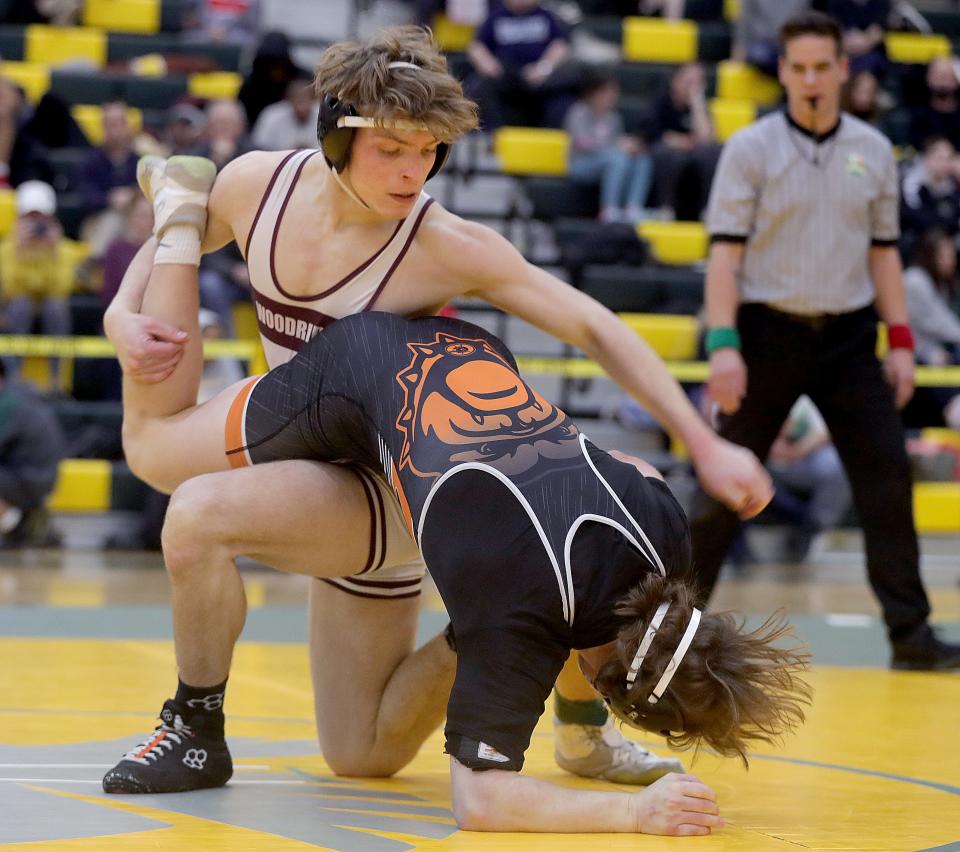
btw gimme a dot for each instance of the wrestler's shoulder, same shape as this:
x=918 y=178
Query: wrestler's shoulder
x=254 y=167
x=458 y=240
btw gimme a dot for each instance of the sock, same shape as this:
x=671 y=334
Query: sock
x=178 y=244
x=591 y=712
x=203 y=701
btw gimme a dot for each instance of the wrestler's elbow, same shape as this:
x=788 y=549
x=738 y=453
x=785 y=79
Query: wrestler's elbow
x=473 y=798
x=144 y=462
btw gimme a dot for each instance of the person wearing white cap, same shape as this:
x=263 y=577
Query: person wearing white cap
x=36 y=274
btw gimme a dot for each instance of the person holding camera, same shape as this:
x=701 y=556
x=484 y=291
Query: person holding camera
x=36 y=270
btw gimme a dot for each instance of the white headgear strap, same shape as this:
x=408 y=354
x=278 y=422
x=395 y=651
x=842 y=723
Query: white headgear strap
x=644 y=646
x=678 y=655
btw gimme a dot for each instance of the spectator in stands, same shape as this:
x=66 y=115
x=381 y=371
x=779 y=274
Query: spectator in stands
x=756 y=30
x=186 y=124
x=270 y=74
x=864 y=24
x=224 y=281
x=22 y=156
x=107 y=180
x=36 y=271
x=940 y=115
x=225 y=136
x=230 y=21
x=863 y=98
x=138 y=216
x=520 y=74
x=930 y=194
x=31 y=446
x=290 y=123
x=812 y=491
x=931 y=285
x=684 y=146
x=600 y=152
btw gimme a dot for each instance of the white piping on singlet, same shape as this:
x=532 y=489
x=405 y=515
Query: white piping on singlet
x=564 y=592
x=244 y=444
x=653 y=556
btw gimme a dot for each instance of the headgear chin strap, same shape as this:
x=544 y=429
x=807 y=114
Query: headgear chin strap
x=338 y=121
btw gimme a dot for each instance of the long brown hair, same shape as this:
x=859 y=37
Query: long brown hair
x=357 y=73
x=734 y=686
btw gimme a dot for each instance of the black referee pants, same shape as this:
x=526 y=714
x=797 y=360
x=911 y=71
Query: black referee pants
x=834 y=362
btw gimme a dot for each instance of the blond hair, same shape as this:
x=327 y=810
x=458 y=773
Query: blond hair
x=357 y=74
x=734 y=686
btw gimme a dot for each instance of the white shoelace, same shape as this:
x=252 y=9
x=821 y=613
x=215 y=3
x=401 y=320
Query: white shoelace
x=160 y=743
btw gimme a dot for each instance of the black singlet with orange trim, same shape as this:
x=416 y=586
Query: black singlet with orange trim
x=531 y=533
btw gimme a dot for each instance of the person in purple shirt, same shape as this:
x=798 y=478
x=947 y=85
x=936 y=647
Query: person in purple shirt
x=107 y=180
x=518 y=56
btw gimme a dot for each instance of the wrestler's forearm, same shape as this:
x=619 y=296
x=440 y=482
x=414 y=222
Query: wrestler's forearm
x=129 y=298
x=496 y=800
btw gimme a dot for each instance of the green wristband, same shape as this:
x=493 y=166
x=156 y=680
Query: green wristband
x=722 y=338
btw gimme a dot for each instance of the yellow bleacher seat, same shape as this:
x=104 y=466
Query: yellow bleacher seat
x=214 y=85
x=125 y=16
x=90 y=119
x=8 y=210
x=936 y=507
x=916 y=47
x=941 y=435
x=450 y=35
x=83 y=485
x=57 y=45
x=675 y=242
x=740 y=81
x=672 y=336
x=532 y=150
x=730 y=115
x=33 y=77
x=731 y=10
x=657 y=40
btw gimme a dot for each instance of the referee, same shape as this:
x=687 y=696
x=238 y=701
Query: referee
x=803 y=227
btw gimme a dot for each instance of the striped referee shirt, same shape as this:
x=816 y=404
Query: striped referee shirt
x=808 y=209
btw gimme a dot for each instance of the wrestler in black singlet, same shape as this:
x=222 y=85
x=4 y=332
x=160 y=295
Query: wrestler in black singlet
x=531 y=533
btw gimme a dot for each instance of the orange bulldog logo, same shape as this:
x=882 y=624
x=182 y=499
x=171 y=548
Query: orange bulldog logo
x=476 y=405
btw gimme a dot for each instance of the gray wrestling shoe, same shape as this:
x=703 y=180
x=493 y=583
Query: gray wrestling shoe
x=178 y=189
x=601 y=751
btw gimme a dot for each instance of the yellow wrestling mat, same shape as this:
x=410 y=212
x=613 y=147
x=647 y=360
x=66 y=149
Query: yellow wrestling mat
x=875 y=767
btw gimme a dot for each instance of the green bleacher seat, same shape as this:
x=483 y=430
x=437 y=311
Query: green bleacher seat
x=86 y=87
x=12 y=42
x=623 y=288
x=604 y=27
x=650 y=78
x=645 y=289
x=555 y=198
x=714 y=41
x=121 y=47
x=635 y=111
x=153 y=92
x=944 y=22
x=703 y=10
x=171 y=15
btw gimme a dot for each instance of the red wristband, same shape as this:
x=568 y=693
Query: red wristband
x=900 y=337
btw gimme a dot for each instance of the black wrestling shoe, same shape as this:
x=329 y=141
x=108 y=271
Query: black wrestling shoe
x=921 y=650
x=178 y=757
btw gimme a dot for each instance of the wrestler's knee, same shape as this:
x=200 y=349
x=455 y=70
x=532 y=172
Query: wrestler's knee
x=190 y=535
x=359 y=761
